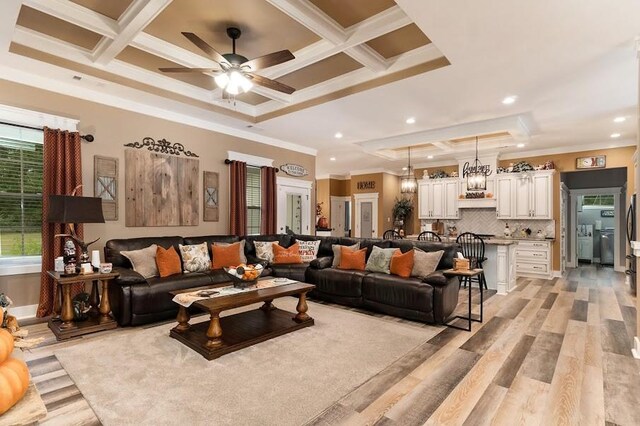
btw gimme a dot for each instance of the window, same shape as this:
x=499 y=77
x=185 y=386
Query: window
x=253 y=200
x=20 y=196
x=598 y=200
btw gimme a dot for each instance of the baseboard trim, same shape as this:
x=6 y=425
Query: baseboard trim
x=557 y=274
x=23 y=312
x=636 y=350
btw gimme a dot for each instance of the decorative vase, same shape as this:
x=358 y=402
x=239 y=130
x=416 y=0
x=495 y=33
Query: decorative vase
x=323 y=222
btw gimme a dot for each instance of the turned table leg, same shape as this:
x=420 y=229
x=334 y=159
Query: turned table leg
x=67 y=308
x=267 y=306
x=214 y=332
x=105 y=306
x=57 y=303
x=94 y=298
x=183 y=319
x=302 y=309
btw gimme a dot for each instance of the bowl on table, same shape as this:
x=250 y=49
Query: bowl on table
x=244 y=276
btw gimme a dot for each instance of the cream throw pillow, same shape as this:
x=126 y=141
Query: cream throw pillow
x=264 y=250
x=380 y=260
x=336 y=253
x=425 y=263
x=143 y=260
x=195 y=258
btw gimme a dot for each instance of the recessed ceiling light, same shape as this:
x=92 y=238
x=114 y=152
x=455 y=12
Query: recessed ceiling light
x=509 y=100
x=520 y=145
x=615 y=135
x=332 y=159
x=619 y=119
x=404 y=169
x=410 y=120
x=338 y=135
x=429 y=157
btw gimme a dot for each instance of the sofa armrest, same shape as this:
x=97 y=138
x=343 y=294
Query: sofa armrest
x=128 y=276
x=321 y=262
x=436 y=279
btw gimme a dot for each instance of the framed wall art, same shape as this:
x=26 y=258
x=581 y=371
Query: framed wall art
x=211 y=197
x=595 y=162
x=105 y=176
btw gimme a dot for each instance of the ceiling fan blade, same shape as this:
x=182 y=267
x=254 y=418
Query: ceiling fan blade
x=271 y=84
x=182 y=69
x=204 y=46
x=269 y=60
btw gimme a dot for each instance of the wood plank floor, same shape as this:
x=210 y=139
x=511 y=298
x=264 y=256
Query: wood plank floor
x=550 y=352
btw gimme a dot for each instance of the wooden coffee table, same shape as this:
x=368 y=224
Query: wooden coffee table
x=221 y=336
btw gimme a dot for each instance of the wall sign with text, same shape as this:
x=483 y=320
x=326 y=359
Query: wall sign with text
x=295 y=170
x=366 y=184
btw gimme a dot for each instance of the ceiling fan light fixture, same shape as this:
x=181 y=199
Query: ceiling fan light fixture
x=222 y=80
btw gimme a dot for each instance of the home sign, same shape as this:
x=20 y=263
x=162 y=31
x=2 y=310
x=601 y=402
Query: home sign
x=366 y=184
x=295 y=170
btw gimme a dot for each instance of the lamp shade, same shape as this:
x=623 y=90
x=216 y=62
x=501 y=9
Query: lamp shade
x=72 y=209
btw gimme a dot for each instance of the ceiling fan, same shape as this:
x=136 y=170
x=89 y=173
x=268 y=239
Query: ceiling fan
x=237 y=74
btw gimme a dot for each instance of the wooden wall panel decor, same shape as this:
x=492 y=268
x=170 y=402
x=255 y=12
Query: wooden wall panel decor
x=210 y=202
x=161 y=190
x=105 y=177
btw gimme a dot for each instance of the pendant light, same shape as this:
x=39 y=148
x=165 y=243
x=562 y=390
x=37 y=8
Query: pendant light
x=476 y=178
x=408 y=182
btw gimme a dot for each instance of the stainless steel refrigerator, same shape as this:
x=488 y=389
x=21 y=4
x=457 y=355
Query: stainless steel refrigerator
x=607 y=244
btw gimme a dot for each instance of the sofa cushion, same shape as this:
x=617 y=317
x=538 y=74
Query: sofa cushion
x=293 y=271
x=380 y=260
x=288 y=255
x=352 y=259
x=250 y=249
x=168 y=261
x=339 y=282
x=369 y=243
x=325 y=243
x=113 y=248
x=211 y=239
x=408 y=293
x=195 y=258
x=143 y=260
x=154 y=296
x=402 y=263
x=450 y=249
x=224 y=256
x=425 y=262
x=337 y=252
x=321 y=262
x=308 y=250
x=436 y=279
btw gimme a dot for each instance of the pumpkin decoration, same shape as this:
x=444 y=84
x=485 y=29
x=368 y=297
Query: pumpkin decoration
x=6 y=345
x=1 y=316
x=14 y=382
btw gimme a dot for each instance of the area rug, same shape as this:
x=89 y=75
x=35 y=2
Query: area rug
x=145 y=377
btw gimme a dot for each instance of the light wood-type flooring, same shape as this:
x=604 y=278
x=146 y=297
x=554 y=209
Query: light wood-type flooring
x=550 y=352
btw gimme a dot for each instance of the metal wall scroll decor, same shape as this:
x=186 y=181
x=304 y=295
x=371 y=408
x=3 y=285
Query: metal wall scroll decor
x=161 y=146
x=294 y=170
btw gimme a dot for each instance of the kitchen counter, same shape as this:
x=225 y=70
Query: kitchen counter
x=487 y=241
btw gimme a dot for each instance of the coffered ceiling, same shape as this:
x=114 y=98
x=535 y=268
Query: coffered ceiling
x=362 y=68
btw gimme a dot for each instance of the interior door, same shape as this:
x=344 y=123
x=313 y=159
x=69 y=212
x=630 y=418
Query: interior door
x=294 y=213
x=294 y=209
x=366 y=219
x=338 y=217
x=564 y=201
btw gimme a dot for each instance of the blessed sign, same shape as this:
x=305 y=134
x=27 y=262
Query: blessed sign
x=294 y=170
x=467 y=168
x=366 y=184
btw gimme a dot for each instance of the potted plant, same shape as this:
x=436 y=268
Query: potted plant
x=401 y=211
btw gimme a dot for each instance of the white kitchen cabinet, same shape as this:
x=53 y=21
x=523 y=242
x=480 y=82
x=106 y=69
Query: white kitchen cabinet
x=438 y=199
x=505 y=192
x=585 y=248
x=525 y=196
x=533 y=259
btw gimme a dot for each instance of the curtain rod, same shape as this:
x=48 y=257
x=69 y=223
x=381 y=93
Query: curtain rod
x=227 y=161
x=88 y=138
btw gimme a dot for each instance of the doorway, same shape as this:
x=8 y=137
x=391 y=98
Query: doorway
x=366 y=215
x=340 y=216
x=294 y=205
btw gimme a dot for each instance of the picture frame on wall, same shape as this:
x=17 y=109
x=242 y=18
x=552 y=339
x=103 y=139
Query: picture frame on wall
x=211 y=200
x=593 y=162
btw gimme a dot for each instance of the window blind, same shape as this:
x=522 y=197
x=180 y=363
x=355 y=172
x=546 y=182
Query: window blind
x=20 y=192
x=253 y=200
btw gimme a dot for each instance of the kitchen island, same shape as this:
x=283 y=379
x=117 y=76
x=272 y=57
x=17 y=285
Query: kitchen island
x=500 y=266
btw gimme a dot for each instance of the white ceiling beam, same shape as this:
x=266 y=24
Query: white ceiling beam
x=9 y=11
x=445 y=146
x=315 y=20
x=138 y=15
x=77 y=15
x=50 y=45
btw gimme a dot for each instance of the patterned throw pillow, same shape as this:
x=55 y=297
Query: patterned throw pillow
x=337 y=250
x=425 y=263
x=289 y=255
x=308 y=250
x=195 y=258
x=264 y=250
x=380 y=259
x=143 y=260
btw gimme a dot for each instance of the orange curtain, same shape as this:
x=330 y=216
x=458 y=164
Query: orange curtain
x=238 y=198
x=269 y=201
x=62 y=172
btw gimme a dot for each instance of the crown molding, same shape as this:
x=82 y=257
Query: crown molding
x=567 y=149
x=374 y=170
x=332 y=176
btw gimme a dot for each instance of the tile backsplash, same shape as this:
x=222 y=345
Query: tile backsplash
x=484 y=221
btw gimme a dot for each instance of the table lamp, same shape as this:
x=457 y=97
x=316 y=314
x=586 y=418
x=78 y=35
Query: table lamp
x=71 y=210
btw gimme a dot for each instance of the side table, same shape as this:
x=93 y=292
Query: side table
x=100 y=319
x=461 y=273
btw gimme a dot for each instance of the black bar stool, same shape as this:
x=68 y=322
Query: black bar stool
x=391 y=234
x=472 y=247
x=429 y=236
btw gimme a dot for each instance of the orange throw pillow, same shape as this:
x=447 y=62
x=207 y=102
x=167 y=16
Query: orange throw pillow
x=168 y=261
x=402 y=263
x=286 y=255
x=225 y=256
x=352 y=259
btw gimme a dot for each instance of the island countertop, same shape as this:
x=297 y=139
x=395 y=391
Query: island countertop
x=493 y=241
